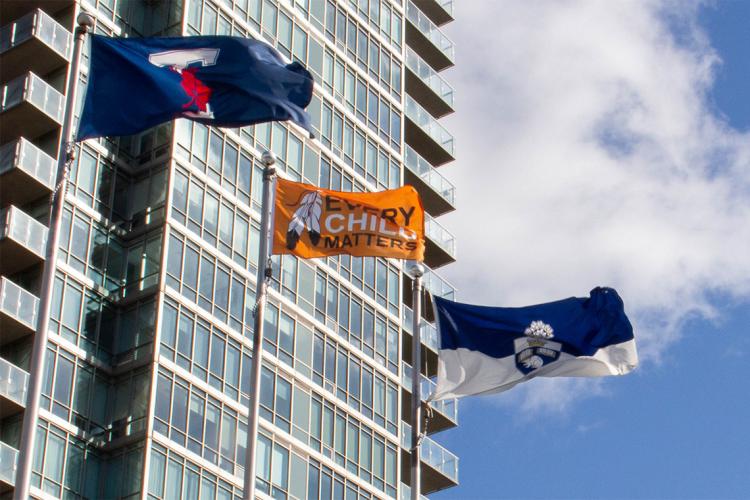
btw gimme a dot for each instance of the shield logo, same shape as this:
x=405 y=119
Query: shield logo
x=534 y=353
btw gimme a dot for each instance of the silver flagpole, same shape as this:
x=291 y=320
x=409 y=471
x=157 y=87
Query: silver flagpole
x=261 y=285
x=416 y=271
x=64 y=158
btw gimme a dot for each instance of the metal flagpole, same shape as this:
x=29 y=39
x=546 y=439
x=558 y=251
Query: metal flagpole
x=65 y=158
x=416 y=271
x=261 y=285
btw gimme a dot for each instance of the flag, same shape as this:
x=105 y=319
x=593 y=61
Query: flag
x=313 y=222
x=491 y=349
x=137 y=83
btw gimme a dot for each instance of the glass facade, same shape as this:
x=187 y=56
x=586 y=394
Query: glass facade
x=146 y=376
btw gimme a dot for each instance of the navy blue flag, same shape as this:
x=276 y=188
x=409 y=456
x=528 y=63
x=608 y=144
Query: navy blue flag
x=137 y=83
x=491 y=349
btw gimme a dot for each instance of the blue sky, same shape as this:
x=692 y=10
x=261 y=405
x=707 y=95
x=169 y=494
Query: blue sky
x=608 y=143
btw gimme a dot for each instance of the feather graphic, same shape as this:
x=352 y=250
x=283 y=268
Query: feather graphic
x=306 y=216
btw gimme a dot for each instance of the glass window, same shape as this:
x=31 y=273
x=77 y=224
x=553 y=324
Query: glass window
x=174 y=481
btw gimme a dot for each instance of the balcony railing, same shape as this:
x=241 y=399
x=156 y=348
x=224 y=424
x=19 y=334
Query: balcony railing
x=432 y=454
x=8 y=464
x=23 y=229
x=427 y=331
x=36 y=24
x=430 y=175
x=36 y=91
x=429 y=125
x=439 y=235
x=438 y=286
x=448 y=407
x=447 y=6
x=406 y=493
x=429 y=76
x=14 y=382
x=18 y=303
x=430 y=31
x=23 y=155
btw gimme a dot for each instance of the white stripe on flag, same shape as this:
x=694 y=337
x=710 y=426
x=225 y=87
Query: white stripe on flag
x=463 y=372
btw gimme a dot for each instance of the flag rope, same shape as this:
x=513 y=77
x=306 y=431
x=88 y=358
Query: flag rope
x=70 y=156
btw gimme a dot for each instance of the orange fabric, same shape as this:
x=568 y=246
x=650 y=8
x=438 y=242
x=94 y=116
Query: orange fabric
x=313 y=222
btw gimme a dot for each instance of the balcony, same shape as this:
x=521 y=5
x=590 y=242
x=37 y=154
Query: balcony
x=438 y=286
x=440 y=244
x=427 y=331
x=429 y=337
x=439 y=466
x=427 y=40
x=438 y=193
x=29 y=107
x=14 y=383
x=26 y=173
x=426 y=135
x=18 y=309
x=13 y=9
x=445 y=415
x=23 y=241
x=8 y=463
x=427 y=86
x=440 y=11
x=406 y=493
x=34 y=42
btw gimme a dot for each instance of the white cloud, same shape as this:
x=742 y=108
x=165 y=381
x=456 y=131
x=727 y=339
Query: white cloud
x=588 y=154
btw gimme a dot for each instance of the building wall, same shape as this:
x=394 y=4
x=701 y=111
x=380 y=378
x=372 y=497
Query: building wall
x=146 y=375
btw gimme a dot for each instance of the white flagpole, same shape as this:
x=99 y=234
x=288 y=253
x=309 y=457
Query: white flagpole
x=416 y=271
x=65 y=158
x=261 y=285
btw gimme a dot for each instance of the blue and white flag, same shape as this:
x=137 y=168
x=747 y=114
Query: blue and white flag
x=137 y=83
x=491 y=349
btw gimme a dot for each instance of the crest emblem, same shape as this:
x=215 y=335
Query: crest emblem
x=539 y=329
x=536 y=349
x=186 y=63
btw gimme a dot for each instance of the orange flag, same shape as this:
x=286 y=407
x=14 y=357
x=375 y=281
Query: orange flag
x=313 y=222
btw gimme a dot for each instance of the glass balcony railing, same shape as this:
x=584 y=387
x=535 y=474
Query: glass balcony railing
x=429 y=76
x=429 y=125
x=430 y=175
x=406 y=493
x=36 y=24
x=23 y=229
x=432 y=454
x=447 y=407
x=439 y=235
x=23 y=155
x=447 y=6
x=8 y=463
x=427 y=331
x=18 y=303
x=14 y=382
x=438 y=286
x=430 y=31
x=33 y=89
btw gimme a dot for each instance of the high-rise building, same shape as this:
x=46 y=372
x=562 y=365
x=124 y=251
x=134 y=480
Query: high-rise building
x=146 y=372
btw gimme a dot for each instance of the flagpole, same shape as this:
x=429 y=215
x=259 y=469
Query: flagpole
x=416 y=270
x=261 y=285
x=65 y=157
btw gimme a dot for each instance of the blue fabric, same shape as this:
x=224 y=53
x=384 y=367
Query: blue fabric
x=581 y=325
x=246 y=82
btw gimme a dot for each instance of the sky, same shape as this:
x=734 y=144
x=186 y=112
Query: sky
x=608 y=143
